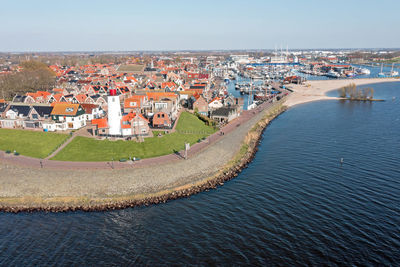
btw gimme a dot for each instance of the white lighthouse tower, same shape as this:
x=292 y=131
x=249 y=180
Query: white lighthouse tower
x=114 y=113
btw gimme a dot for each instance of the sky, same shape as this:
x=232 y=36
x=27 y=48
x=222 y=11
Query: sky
x=123 y=25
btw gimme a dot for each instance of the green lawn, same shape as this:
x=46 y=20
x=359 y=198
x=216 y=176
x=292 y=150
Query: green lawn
x=190 y=123
x=88 y=149
x=29 y=143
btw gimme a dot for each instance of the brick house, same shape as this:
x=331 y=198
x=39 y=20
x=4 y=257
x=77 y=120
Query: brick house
x=201 y=106
x=161 y=120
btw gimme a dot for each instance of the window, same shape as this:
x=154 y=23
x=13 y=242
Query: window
x=162 y=115
x=35 y=116
x=69 y=109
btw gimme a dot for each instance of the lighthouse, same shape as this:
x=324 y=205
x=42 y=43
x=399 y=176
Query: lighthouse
x=114 y=113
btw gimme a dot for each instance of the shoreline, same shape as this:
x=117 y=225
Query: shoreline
x=34 y=189
x=319 y=88
x=229 y=171
x=145 y=193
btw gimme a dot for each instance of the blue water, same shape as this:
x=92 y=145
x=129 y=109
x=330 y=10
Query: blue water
x=294 y=205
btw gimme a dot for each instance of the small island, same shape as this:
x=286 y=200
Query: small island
x=351 y=92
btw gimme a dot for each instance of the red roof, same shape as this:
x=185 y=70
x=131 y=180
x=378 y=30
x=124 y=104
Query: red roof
x=88 y=107
x=128 y=118
x=101 y=123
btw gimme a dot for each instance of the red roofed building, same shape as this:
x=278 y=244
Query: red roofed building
x=134 y=124
x=134 y=103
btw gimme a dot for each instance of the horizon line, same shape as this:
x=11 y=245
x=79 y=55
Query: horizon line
x=194 y=50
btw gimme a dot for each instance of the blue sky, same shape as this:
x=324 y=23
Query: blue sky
x=89 y=25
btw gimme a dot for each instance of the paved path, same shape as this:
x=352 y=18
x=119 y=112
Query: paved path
x=81 y=132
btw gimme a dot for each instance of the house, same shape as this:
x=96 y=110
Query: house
x=23 y=99
x=17 y=111
x=97 y=100
x=79 y=99
x=161 y=120
x=168 y=86
x=215 y=103
x=39 y=96
x=15 y=116
x=163 y=102
x=100 y=127
x=201 y=106
x=134 y=103
x=37 y=115
x=224 y=114
x=3 y=109
x=55 y=98
x=67 y=116
x=92 y=111
x=134 y=124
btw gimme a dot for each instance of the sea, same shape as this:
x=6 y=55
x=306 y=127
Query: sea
x=322 y=190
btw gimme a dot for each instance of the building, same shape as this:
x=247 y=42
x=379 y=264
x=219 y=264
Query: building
x=201 y=106
x=134 y=124
x=66 y=116
x=114 y=113
x=161 y=120
x=92 y=111
x=224 y=114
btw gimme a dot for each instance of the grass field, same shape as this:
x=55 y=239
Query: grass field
x=131 y=67
x=29 y=143
x=88 y=149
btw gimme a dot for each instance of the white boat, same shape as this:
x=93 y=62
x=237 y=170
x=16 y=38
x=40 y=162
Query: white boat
x=393 y=72
x=333 y=74
x=252 y=106
x=364 y=71
x=381 y=74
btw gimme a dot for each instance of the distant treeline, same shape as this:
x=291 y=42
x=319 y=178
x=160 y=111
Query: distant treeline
x=353 y=93
x=33 y=76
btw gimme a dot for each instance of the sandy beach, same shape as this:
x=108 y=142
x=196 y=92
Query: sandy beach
x=28 y=188
x=316 y=90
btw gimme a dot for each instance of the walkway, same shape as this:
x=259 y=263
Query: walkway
x=81 y=132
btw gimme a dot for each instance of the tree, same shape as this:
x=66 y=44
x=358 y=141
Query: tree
x=34 y=75
x=342 y=92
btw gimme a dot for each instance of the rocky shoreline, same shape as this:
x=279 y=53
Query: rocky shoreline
x=228 y=172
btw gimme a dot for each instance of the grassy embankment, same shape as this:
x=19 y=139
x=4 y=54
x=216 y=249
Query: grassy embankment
x=29 y=143
x=189 y=129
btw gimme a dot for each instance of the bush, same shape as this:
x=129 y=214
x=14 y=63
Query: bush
x=206 y=120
